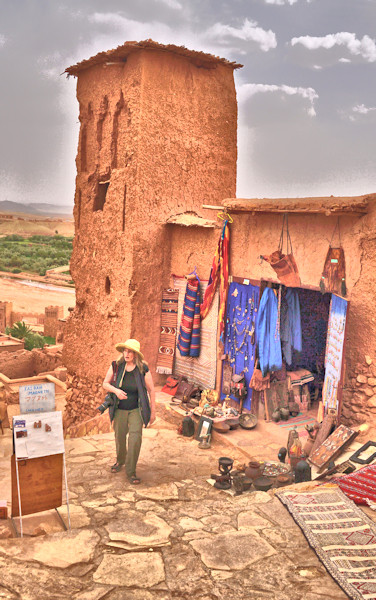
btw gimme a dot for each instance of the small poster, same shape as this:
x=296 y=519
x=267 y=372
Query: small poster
x=37 y=435
x=37 y=397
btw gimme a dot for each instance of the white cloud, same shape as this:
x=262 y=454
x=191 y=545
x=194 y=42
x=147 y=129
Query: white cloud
x=249 y=31
x=344 y=60
x=362 y=109
x=366 y=47
x=2 y=40
x=174 y=4
x=247 y=90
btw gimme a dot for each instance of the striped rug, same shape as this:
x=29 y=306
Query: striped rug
x=167 y=340
x=342 y=536
x=298 y=422
x=201 y=370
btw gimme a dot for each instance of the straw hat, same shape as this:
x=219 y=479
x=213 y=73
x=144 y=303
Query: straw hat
x=132 y=345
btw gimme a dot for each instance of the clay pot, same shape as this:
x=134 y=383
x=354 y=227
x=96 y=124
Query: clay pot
x=254 y=470
x=294 y=409
x=221 y=427
x=276 y=415
x=285 y=413
x=282 y=480
x=263 y=484
x=307 y=448
x=247 y=482
x=233 y=423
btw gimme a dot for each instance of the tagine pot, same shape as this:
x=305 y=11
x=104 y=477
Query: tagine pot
x=254 y=470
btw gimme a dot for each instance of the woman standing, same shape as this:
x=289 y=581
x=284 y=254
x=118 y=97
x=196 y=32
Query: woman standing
x=129 y=379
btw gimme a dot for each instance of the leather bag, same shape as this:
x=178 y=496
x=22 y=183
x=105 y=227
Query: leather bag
x=184 y=391
x=284 y=264
x=172 y=384
x=258 y=382
x=333 y=278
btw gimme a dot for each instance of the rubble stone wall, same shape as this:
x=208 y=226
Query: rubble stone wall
x=25 y=363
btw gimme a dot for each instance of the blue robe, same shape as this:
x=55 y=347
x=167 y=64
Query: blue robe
x=267 y=333
x=291 y=328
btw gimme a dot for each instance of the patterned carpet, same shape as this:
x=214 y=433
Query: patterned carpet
x=200 y=370
x=343 y=537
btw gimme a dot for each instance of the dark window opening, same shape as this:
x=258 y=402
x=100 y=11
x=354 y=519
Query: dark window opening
x=108 y=285
x=100 y=196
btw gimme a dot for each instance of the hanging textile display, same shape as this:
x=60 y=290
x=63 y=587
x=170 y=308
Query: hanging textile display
x=334 y=351
x=202 y=369
x=284 y=264
x=239 y=339
x=189 y=333
x=268 y=334
x=333 y=278
x=291 y=328
x=218 y=273
x=167 y=340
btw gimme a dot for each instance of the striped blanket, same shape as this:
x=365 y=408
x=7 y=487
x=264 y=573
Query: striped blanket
x=189 y=333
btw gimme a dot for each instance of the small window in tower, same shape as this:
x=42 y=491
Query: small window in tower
x=108 y=285
x=100 y=196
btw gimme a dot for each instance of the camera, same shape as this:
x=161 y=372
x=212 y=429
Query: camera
x=107 y=402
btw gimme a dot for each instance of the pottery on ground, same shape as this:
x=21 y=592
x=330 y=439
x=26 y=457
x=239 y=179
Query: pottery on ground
x=263 y=484
x=254 y=470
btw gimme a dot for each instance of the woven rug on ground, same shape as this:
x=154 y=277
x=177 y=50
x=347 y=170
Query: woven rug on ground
x=359 y=486
x=200 y=370
x=343 y=537
x=299 y=423
x=167 y=340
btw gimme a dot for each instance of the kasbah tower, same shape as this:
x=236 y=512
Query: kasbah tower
x=158 y=138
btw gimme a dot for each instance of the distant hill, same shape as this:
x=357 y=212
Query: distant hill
x=39 y=209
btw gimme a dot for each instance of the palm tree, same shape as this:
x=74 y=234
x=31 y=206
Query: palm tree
x=20 y=330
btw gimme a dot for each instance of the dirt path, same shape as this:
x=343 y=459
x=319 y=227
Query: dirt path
x=30 y=298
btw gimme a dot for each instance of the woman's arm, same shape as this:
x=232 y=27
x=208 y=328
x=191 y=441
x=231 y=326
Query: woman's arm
x=150 y=388
x=111 y=388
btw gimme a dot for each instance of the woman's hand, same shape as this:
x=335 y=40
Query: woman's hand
x=152 y=418
x=120 y=394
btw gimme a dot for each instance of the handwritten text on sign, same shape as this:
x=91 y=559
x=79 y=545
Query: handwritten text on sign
x=38 y=397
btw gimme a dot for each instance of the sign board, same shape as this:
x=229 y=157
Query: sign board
x=37 y=435
x=41 y=484
x=37 y=397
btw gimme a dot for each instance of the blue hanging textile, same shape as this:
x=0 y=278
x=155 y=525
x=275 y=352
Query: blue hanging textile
x=241 y=320
x=267 y=333
x=291 y=327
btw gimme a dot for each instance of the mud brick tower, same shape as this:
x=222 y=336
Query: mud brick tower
x=158 y=138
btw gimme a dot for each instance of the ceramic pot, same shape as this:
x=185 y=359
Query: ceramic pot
x=285 y=413
x=247 y=482
x=282 y=480
x=276 y=415
x=254 y=470
x=263 y=484
x=307 y=448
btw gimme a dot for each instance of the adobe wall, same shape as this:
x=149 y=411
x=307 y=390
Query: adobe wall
x=163 y=133
x=252 y=236
x=25 y=363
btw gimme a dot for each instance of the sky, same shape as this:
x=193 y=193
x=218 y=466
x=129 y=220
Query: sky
x=306 y=94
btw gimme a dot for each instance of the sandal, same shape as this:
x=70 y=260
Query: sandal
x=116 y=468
x=134 y=480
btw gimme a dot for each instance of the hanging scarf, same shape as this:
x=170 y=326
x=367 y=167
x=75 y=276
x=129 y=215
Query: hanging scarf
x=267 y=333
x=219 y=272
x=189 y=333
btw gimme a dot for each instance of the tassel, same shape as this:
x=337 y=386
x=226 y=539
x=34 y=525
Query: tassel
x=343 y=288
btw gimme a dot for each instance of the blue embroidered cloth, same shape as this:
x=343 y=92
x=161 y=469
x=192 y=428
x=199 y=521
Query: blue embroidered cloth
x=267 y=333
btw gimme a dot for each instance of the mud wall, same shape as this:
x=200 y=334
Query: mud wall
x=254 y=235
x=158 y=137
x=25 y=363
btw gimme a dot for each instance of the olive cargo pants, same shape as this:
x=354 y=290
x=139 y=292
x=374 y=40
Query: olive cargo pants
x=128 y=422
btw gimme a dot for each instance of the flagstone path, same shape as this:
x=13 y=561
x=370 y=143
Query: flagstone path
x=173 y=536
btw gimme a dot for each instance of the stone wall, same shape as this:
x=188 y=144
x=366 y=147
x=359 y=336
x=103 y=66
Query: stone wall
x=25 y=363
x=83 y=397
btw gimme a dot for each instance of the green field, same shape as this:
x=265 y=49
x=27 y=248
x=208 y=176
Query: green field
x=34 y=254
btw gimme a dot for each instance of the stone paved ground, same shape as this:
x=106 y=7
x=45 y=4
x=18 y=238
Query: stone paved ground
x=173 y=536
